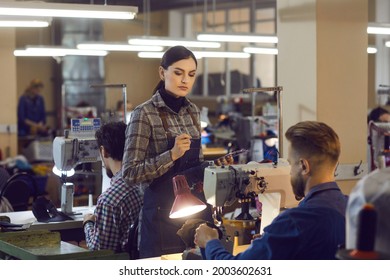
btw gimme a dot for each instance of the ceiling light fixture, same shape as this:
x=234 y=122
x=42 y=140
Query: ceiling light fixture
x=221 y=54
x=151 y=54
x=200 y=54
x=241 y=37
x=378 y=28
x=169 y=42
x=117 y=47
x=372 y=50
x=14 y=21
x=32 y=8
x=256 y=50
x=57 y=51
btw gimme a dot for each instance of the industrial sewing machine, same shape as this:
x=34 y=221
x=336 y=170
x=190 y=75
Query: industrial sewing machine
x=76 y=147
x=269 y=181
x=379 y=142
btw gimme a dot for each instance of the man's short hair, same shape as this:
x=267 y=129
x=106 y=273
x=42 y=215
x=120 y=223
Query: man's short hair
x=314 y=140
x=112 y=137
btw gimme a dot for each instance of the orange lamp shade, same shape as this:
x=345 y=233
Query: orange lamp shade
x=185 y=203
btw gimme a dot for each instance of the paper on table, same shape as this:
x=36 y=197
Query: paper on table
x=270 y=208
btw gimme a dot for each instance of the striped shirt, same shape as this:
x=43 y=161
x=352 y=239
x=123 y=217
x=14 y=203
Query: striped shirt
x=117 y=208
x=147 y=156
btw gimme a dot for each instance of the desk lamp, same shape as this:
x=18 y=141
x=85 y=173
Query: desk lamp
x=185 y=203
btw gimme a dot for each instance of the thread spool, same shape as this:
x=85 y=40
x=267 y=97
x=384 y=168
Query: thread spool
x=366 y=232
x=366 y=228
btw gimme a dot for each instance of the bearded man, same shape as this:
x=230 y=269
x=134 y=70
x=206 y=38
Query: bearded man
x=118 y=207
x=316 y=228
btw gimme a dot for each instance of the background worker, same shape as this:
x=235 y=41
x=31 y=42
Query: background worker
x=31 y=111
x=315 y=228
x=379 y=114
x=118 y=207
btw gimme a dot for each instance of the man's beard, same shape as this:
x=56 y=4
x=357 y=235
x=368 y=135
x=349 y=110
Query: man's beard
x=109 y=173
x=298 y=186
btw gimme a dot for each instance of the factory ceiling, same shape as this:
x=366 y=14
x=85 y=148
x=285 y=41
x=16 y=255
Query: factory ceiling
x=159 y=5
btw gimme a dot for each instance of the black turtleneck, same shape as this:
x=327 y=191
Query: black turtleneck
x=175 y=103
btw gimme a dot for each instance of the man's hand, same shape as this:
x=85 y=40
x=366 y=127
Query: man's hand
x=203 y=234
x=256 y=236
x=89 y=217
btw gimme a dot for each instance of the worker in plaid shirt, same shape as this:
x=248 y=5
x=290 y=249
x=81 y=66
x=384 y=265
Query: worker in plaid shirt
x=118 y=207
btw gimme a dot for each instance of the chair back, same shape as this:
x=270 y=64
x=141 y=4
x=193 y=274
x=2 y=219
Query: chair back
x=133 y=241
x=4 y=176
x=18 y=192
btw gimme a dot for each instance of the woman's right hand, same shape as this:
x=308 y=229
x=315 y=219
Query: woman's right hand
x=182 y=145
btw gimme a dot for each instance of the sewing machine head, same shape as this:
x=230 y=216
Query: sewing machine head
x=77 y=146
x=223 y=183
x=70 y=152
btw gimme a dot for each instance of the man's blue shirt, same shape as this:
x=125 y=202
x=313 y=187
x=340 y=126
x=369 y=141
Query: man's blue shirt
x=311 y=231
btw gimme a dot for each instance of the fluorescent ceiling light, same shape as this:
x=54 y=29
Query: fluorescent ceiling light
x=242 y=38
x=117 y=47
x=260 y=50
x=372 y=50
x=150 y=54
x=57 y=51
x=32 y=8
x=222 y=54
x=14 y=21
x=169 y=42
x=387 y=44
x=378 y=28
x=199 y=54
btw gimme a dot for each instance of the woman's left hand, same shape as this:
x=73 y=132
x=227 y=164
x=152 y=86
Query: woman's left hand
x=226 y=160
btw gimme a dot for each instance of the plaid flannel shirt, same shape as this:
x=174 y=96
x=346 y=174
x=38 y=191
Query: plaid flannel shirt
x=147 y=156
x=117 y=208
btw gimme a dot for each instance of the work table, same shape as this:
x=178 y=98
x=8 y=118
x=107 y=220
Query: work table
x=71 y=230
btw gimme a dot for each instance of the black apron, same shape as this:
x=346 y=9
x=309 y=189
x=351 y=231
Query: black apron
x=158 y=231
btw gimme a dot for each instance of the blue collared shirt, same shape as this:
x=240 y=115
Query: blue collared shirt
x=311 y=231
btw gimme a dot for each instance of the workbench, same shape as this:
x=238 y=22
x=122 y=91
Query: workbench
x=43 y=241
x=47 y=245
x=71 y=230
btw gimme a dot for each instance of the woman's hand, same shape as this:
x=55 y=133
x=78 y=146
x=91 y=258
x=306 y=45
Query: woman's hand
x=182 y=145
x=226 y=160
x=41 y=127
